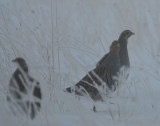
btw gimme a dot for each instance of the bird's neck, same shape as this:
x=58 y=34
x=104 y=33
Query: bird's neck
x=123 y=42
x=114 y=58
x=124 y=58
x=24 y=68
x=115 y=52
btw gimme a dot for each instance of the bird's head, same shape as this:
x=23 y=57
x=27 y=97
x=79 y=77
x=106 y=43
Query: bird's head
x=115 y=47
x=126 y=34
x=22 y=63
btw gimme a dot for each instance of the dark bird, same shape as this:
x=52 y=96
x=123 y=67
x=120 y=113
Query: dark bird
x=100 y=80
x=123 y=41
x=24 y=91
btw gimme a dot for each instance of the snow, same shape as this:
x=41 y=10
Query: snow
x=62 y=40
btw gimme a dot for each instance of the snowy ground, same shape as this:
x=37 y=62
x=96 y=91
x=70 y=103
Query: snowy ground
x=62 y=40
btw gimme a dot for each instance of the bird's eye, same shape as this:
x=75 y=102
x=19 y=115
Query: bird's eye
x=127 y=32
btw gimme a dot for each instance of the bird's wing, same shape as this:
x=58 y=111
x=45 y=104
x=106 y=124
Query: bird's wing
x=104 y=73
x=108 y=77
x=102 y=59
x=18 y=82
x=37 y=91
x=100 y=70
x=110 y=69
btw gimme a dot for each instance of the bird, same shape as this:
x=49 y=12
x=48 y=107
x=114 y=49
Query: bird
x=123 y=41
x=101 y=76
x=123 y=54
x=24 y=90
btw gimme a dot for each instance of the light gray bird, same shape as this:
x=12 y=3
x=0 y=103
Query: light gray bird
x=21 y=87
x=103 y=73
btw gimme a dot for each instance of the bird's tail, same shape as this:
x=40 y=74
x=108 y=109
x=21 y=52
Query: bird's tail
x=76 y=90
x=69 y=90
